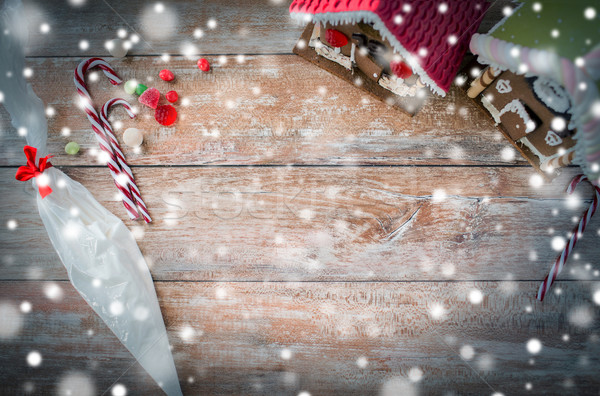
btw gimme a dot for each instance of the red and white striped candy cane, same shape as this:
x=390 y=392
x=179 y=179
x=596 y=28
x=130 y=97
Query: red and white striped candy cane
x=92 y=116
x=119 y=154
x=577 y=233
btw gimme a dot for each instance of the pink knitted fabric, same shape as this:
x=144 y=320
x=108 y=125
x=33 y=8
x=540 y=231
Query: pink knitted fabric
x=436 y=32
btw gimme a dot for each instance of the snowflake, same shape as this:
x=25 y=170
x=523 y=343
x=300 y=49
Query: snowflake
x=582 y=316
x=25 y=307
x=438 y=195
x=362 y=362
x=536 y=181
x=534 y=346
x=398 y=386
x=118 y=390
x=286 y=354
x=467 y=352
x=475 y=296
x=590 y=13
x=437 y=311
x=76 y=383
x=34 y=358
x=12 y=321
x=53 y=292
x=558 y=243
x=415 y=374
x=596 y=297
x=12 y=224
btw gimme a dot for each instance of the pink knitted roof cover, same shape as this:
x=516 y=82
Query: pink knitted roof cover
x=433 y=34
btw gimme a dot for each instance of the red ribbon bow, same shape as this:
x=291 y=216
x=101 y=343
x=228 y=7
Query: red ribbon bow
x=30 y=170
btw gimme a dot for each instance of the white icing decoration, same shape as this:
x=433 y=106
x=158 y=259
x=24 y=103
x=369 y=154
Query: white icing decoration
x=491 y=108
x=552 y=139
x=391 y=83
x=503 y=86
x=397 y=85
x=552 y=94
x=517 y=107
x=316 y=32
x=330 y=54
x=543 y=159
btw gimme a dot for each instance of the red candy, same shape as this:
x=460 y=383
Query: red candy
x=336 y=38
x=401 y=69
x=203 y=65
x=172 y=96
x=150 y=98
x=166 y=75
x=165 y=115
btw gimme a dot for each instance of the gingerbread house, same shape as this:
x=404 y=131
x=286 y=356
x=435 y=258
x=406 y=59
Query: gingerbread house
x=542 y=82
x=395 y=50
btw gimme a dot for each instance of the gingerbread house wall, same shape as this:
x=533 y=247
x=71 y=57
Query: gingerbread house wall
x=510 y=94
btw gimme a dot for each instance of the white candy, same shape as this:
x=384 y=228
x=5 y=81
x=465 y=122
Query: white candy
x=116 y=48
x=133 y=137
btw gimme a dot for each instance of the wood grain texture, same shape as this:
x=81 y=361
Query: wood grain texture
x=262 y=111
x=243 y=26
x=331 y=263
x=294 y=223
x=239 y=330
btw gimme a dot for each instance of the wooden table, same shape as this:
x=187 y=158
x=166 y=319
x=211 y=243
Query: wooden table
x=311 y=238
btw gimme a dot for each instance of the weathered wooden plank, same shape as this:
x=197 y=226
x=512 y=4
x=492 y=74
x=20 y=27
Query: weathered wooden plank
x=244 y=26
x=283 y=338
x=314 y=223
x=266 y=110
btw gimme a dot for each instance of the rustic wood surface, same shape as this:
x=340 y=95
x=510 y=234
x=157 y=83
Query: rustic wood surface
x=313 y=223
x=306 y=233
x=240 y=333
x=262 y=111
x=242 y=26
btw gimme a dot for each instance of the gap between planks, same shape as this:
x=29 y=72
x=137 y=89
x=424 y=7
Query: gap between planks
x=298 y=166
x=110 y=58
x=322 y=281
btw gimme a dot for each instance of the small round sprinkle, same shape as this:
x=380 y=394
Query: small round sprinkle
x=140 y=89
x=133 y=137
x=203 y=65
x=72 y=148
x=172 y=96
x=130 y=87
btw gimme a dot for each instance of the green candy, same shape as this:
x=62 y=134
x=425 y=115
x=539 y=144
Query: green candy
x=140 y=89
x=72 y=148
x=130 y=87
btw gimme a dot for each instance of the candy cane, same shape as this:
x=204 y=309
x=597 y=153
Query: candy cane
x=577 y=233
x=92 y=116
x=119 y=154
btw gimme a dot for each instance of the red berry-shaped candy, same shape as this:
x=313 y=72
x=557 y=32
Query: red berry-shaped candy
x=150 y=98
x=166 y=75
x=172 y=96
x=165 y=115
x=401 y=69
x=203 y=65
x=336 y=38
